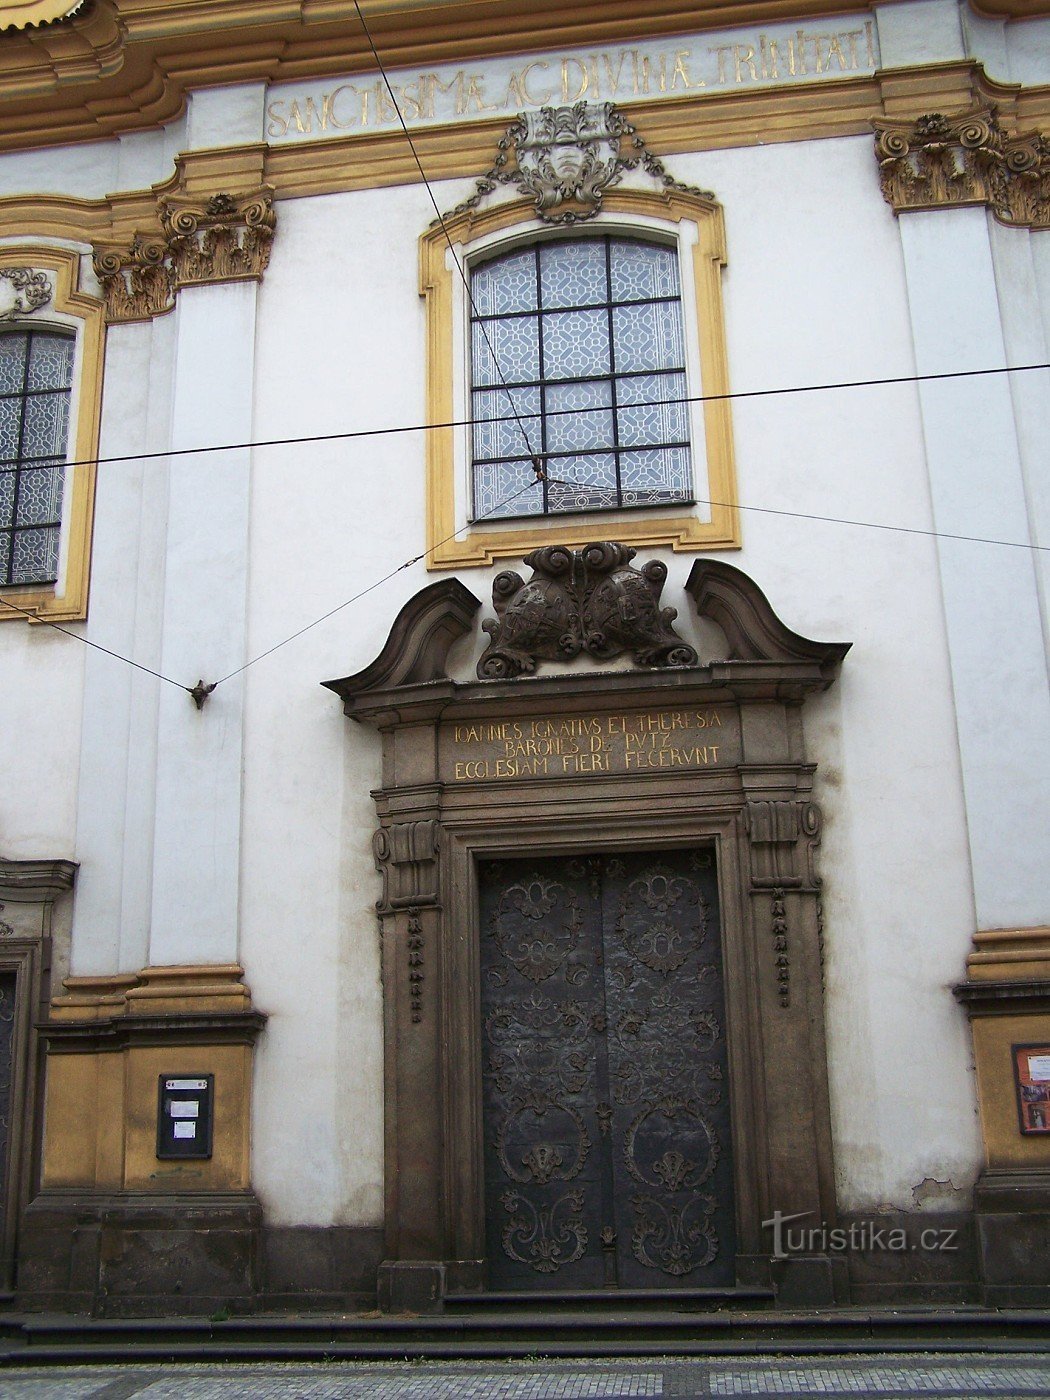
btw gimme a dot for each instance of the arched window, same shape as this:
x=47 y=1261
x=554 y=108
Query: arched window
x=578 y=362
x=36 y=377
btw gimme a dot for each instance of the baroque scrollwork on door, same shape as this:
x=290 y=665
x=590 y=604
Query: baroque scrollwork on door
x=544 y=1238
x=536 y=926
x=606 y=1114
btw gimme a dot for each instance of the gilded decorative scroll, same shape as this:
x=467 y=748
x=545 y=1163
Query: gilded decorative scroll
x=938 y=161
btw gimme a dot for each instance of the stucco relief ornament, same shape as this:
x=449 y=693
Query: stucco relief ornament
x=566 y=158
x=590 y=600
x=22 y=291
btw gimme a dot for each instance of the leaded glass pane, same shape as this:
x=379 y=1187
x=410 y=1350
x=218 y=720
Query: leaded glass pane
x=597 y=362
x=44 y=425
x=5 y=555
x=504 y=285
x=50 y=361
x=657 y=474
x=10 y=422
x=645 y=416
x=35 y=556
x=506 y=488
x=579 y=416
x=12 y=363
x=516 y=345
x=648 y=337
x=573 y=274
x=7 y=498
x=641 y=271
x=582 y=483
x=39 y=496
x=513 y=427
x=575 y=344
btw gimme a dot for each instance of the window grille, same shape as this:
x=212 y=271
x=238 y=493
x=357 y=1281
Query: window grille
x=589 y=342
x=36 y=375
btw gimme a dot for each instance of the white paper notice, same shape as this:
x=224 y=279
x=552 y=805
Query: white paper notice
x=1039 y=1069
x=183 y=1108
x=185 y=1130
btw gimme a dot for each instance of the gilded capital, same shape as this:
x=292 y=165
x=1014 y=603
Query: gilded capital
x=937 y=161
x=136 y=279
x=226 y=238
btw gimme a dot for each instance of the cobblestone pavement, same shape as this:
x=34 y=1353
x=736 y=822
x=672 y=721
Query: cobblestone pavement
x=1014 y=1376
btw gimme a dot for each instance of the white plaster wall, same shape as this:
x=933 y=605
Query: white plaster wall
x=814 y=292
x=119 y=735
x=40 y=708
x=328 y=519
x=95 y=168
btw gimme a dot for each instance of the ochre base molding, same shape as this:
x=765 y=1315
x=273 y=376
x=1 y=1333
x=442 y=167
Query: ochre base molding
x=1007 y=997
x=109 y=1039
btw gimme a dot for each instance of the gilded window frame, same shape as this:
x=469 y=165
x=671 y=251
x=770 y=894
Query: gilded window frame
x=84 y=315
x=474 y=546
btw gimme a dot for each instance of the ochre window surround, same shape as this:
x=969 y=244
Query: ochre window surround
x=75 y=313
x=447 y=449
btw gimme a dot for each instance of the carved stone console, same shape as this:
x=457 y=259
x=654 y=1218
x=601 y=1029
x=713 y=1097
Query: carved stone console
x=707 y=756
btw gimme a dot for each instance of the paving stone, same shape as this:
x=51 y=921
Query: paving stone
x=1012 y=1376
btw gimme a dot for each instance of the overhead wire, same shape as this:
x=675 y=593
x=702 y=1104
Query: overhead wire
x=729 y=395
x=535 y=458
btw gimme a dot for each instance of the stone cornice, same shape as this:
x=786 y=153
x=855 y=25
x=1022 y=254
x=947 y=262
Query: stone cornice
x=36 y=881
x=937 y=162
x=121 y=65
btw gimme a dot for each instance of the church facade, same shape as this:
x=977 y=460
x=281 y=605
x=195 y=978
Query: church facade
x=524 y=628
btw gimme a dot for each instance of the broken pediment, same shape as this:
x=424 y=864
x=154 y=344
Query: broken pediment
x=591 y=602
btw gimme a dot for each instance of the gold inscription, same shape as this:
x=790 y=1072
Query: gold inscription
x=584 y=744
x=604 y=76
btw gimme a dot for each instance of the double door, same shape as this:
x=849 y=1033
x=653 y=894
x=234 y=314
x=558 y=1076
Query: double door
x=608 y=1156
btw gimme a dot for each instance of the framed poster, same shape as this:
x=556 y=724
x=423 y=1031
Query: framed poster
x=1032 y=1078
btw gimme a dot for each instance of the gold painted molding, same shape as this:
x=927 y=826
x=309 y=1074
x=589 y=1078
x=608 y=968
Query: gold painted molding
x=377 y=160
x=942 y=162
x=63 y=266
x=477 y=545
x=124 y=65
x=1010 y=955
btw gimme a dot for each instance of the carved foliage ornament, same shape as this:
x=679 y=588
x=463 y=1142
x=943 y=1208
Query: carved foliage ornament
x=136 y=281
x=939 y=161
x=224 y=239
x=22 y=291
x=590 y=600
x=566 y=157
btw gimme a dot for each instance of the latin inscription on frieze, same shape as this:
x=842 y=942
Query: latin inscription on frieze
x=557 y=746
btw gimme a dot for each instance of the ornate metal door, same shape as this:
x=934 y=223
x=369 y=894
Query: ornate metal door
x=607 y=1138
